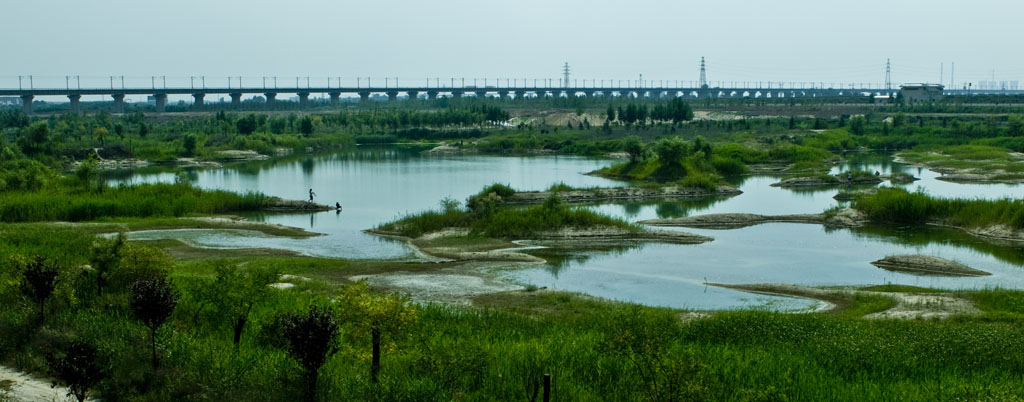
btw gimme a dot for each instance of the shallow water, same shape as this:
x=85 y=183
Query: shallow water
x=379 y=184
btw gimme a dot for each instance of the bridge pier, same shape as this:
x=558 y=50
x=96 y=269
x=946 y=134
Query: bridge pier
x=457 y=94
x=392 y=96
x=303 y=98
x=198 y=99
x=76 y=103
x=502 y=95
x=431 y=95
x=118 y=103
x=335 y=97
x=481 y=94
x=271 y=97
x=26 y=103
x=236 y=100
x=413 y=95
x=364 y=96
x=518 y=94
x=161 y=102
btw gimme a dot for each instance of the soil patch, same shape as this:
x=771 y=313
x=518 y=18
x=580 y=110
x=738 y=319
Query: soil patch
x=926 y=265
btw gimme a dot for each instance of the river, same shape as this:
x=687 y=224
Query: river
x=378 y=184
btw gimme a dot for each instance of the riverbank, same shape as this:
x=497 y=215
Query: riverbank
x=593 y=195
x=969 y=163
x=841 y=218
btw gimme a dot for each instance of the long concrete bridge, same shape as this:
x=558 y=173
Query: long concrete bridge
x=413 y=92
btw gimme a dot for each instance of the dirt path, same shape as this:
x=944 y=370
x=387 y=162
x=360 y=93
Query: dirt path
x=18 y=386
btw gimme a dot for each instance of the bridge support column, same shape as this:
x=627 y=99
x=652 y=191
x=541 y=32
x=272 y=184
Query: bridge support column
x=457 y=94
x=481 y=94
x=518 y=94
x=502 y=94
x=236 y=100
x=335 y=97
x=26 y=103
x=364 y=96
x=393 y=96
x=413 y=95
x=588 y=94
x=161 y=102
x=431 y=95
x=76 y=103
x=198 y=99
x=118 y=103
x=303 y=98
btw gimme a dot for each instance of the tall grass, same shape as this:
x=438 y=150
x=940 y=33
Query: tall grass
x=485 y=217
x=900 y=206
x=143 y=200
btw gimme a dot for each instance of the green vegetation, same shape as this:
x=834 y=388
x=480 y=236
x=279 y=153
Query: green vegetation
x=63 y=203
x=900 y=206
x=594 y=350
x=483 y=215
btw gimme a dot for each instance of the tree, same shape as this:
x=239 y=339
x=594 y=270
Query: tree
x=702 y=146
x=857 y=125
x=311 y=339
x=247 y=124
x=306 y=126
x=79 y=368
x=101 y=135
x=153 y=300
x=190 y=142
x=143 y=130
x=610 y=113
x=670 y=153
x=234 y=292
x=1015 y=126
x=85 y=171
x=634 y=148
x=38 y=282
x=105 y=258
x=680 y=110
x=34 y=138
x=119 y=130
x=377 y=315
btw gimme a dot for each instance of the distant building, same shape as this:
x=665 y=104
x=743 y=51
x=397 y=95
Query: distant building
x=921 y=92
x=10 y=100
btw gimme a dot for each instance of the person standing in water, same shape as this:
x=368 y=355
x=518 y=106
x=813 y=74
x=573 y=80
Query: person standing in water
x=311 y=194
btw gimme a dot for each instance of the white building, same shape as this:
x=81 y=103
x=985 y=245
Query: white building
x=921 y=92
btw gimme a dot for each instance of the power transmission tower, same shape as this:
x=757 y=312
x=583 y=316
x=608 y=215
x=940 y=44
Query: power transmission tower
x=565 y=73
x=888 y=75
x=703 y=74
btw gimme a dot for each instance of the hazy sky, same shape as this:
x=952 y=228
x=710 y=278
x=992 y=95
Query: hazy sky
x=750 y=40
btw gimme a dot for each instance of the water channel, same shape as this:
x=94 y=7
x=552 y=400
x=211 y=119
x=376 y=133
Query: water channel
x=378 y=184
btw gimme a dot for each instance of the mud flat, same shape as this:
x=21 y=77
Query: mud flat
x=619 y=194
x=926 y=265
x=905 y=306
x=276 y=204
x=824 y=181
x=433 y=246
x=843 y=218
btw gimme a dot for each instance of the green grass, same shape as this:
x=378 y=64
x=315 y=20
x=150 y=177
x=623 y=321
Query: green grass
x=142 y=200
x=900 y=206
x=594 y=349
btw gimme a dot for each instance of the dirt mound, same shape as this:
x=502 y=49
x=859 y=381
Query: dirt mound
x=926 y=265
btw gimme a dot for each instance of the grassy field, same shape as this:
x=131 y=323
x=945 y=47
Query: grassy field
x=594 y=349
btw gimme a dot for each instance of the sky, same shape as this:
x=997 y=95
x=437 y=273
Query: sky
x=416 y=40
